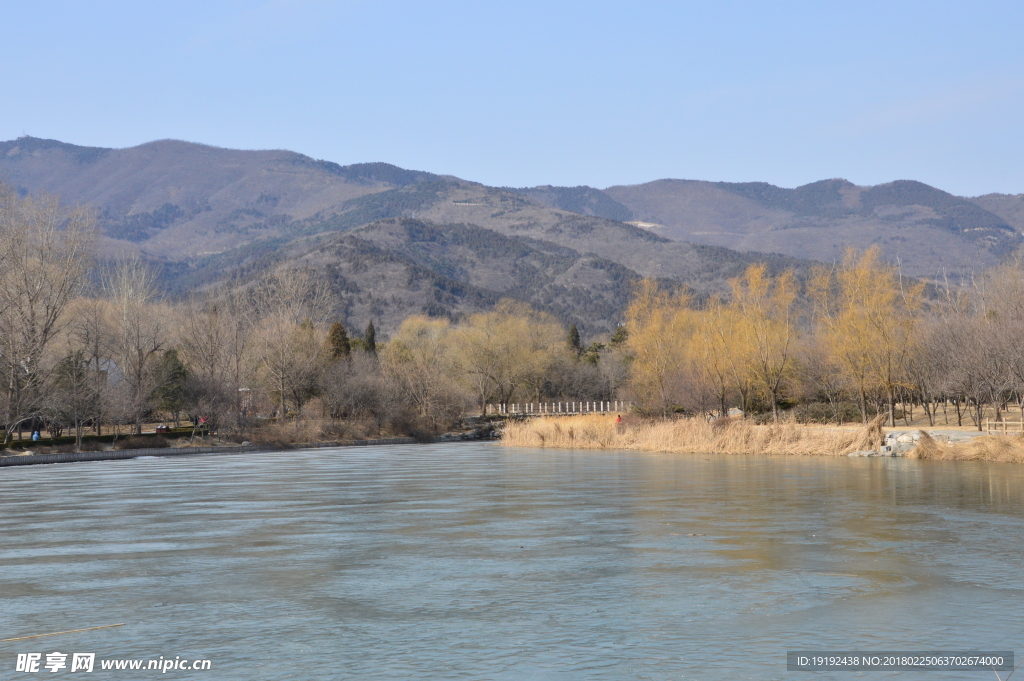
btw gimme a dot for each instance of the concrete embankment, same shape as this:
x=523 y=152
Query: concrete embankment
x=902 y=443
x=118 y=454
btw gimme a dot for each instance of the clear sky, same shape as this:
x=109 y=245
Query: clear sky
x=525 y=93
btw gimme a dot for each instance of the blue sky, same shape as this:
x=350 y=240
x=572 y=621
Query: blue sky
x=527 y=93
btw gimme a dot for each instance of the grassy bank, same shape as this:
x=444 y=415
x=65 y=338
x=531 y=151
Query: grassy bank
x=738 y=436
x=1000 y=448
x=727 y=436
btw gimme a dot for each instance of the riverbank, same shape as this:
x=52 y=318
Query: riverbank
x=30 y=459
x=998 y=448
x=739 y=436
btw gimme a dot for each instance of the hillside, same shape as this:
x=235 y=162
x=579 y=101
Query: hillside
x=178 y=200
x=395 y=267
x=394 y=242
x=928 y=230
x=1009 y=207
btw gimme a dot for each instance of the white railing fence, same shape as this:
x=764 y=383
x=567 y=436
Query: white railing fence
x=546 y=408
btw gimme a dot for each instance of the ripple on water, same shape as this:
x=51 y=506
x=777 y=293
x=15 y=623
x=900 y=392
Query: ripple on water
x=483 y=562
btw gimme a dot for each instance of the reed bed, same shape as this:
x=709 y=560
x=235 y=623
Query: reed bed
x=689 y=435
x=999 y=448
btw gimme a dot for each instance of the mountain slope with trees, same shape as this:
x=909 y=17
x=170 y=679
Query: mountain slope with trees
x=394 y=242
x=396 y=267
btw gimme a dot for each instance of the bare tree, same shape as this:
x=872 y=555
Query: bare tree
x=288 y=307
x=214 y=341
x=73 y=398
x=822 y=376
x=138 y=334
x=47 y=250
x=89 y=335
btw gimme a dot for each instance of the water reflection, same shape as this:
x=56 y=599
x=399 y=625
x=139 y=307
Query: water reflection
x=482 y=562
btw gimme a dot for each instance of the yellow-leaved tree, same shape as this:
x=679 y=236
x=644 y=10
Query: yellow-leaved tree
x=766 y=332
x=709 y=354
x=869 y=318
x=507 y=352
x=420 y=360
x=661 y=326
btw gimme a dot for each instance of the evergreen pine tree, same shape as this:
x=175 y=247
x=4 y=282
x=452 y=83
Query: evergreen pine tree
x=370 y=338
x=337 y=342
x=620 y=336
x=575 y=344
x=592 y=355
x=171 y=378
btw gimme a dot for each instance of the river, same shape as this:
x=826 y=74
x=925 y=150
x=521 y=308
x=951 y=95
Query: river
x=474 y=561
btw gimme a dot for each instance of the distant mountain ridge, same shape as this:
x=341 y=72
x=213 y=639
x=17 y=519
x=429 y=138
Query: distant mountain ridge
x=447 y=246
x=927 y=229
x=582 y=200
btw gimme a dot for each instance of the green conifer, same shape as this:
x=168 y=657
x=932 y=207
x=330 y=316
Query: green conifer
x=337 y=342
x=370 y=338
x=171 y=380
x=620 y=336
x=575 y=344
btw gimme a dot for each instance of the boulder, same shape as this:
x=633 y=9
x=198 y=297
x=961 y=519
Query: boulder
x=897 y=450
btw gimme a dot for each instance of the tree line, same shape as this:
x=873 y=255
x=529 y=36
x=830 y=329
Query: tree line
x=854 y=340
x=94 y=348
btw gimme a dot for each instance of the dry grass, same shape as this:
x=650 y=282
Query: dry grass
x=294 y=431
x=726 y=436
x=1000 y=448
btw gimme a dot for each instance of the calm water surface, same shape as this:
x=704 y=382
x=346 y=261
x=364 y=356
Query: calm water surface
x=473 y=561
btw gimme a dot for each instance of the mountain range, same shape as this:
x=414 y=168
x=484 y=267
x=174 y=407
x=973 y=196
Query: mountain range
x=393 y=242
